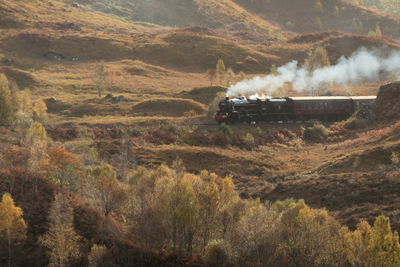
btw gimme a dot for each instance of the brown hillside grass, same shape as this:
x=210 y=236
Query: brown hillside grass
x=36 y=45
x=303 y=16
x=345 y=45
x=195 y=52
x=168 y=107
x=203 y=95
x=22 y=78
x=175 y=13
x=379 y=155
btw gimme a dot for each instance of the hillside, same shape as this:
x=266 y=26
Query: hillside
x=264 y=15
x=108 y=139
x=174 y=13
x=311 y=15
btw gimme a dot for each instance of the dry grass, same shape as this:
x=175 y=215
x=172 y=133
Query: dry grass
x=303 y=16
x=174 y=107
x=211 y=13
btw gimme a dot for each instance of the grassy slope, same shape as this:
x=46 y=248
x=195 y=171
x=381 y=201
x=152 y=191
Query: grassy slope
x=176 y=13
x=304 y=16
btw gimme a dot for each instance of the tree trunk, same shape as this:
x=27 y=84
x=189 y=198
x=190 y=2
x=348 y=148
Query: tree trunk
x=9 y=247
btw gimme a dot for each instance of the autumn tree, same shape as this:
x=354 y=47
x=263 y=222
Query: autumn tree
x=309 y=237
x=144 y=219
x=61 y=239
x=40 y=111
x=171 y=209
x=177 y=204
x=376 y=246
x=357 y=243
x=288 y=233
x=64 y=168
x=107 y=191
x=36 y=140
x=251 y=240
x=384 y=247
x=317 y=58
x=208 y=195
x=24 y=115
x=182 y=211
x=221 y=70
x=230 y=208
x=6 y=102
x=12 y=225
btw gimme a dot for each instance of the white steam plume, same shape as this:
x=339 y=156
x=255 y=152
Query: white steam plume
x=363 y=65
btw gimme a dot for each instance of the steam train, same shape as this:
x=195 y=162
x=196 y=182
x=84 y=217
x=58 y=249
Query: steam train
x=323 y=108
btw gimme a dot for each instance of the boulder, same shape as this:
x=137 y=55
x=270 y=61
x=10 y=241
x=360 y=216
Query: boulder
x=54 y=56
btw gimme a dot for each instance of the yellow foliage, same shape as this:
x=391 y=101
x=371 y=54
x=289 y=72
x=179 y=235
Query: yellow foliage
x=375 y=246
x=37 y=132
x=40 y=109
x=12 y=224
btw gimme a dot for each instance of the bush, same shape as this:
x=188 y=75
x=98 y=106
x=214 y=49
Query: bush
x=356 y=123
x=224 y=128
x=316 y=133
x=217 y=253
x=249 y=141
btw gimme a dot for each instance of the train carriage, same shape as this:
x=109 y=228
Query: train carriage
x=321 y=108
x=360 y=101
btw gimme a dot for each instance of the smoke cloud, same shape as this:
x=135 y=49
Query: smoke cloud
x=362 y=66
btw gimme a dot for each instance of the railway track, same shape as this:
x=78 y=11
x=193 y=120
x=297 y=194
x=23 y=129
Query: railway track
x=305 y=123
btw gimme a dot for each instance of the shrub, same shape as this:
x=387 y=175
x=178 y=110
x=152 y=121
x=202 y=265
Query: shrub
x=249 y=141
x=316 y=133
x=217 y=253
x=355 y=122
x=224 y=128
x=395 y=158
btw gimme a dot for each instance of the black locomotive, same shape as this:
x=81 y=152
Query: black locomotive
x=324 y=108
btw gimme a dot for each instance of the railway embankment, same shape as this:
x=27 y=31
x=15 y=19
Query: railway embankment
x=387 y=104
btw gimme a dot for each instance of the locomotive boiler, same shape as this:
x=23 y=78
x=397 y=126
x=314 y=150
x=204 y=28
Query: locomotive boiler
x=324 y=108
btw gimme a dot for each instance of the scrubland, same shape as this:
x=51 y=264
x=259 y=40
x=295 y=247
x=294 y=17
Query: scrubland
x=110 y=156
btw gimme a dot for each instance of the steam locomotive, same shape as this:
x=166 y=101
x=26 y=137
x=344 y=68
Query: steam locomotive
x=323 y=108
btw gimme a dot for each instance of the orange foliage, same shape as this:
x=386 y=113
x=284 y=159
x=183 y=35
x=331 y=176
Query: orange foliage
x=59 y=158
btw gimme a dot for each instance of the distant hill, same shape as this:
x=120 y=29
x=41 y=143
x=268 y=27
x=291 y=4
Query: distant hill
x=263 y=15
x=37 y=34
x=177 y=13
x=319 y=15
